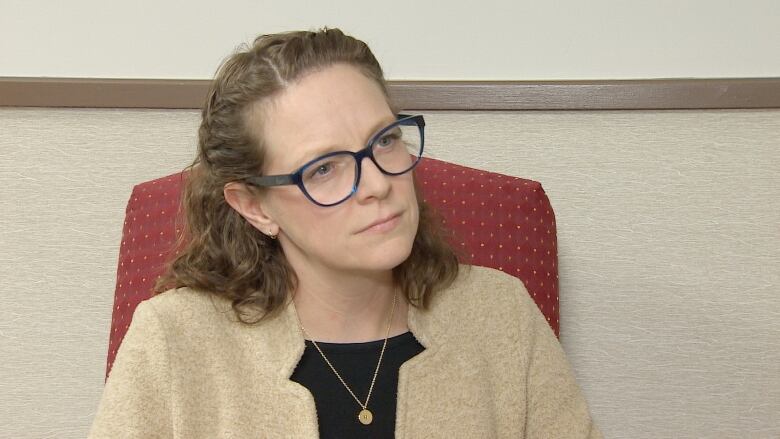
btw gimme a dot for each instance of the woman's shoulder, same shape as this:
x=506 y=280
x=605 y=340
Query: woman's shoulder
x=475 y=284
x=478 y=276
x=485 y=297
x=194 y=323
x=186 y=306
x=183 y=297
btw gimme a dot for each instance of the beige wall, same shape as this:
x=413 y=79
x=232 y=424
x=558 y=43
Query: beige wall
x=434 y=39
x=669 y=235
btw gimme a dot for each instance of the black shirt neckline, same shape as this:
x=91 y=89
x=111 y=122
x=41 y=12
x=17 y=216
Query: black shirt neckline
x=375 y=345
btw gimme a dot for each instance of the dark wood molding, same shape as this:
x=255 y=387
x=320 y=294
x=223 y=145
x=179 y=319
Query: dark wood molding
x=102 y=93
x=644 y=94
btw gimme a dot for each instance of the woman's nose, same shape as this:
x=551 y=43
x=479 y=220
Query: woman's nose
x=373 y=182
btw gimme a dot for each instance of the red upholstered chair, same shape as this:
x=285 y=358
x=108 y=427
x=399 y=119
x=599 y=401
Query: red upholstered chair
x=499 y=221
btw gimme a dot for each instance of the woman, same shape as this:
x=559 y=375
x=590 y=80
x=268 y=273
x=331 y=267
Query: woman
x=313 y=295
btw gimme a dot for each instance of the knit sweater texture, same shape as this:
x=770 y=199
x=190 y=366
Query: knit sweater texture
x=491 y=368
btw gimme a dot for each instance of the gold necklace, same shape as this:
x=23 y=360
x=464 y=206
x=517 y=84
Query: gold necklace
x=365 y=416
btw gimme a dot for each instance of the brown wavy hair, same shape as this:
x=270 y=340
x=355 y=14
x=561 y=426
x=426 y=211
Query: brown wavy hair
x=219 y=251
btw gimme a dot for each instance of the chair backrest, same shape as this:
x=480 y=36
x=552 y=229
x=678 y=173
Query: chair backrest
x=498 y=221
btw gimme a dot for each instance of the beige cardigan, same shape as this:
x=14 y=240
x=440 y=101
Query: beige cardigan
x=491 y=368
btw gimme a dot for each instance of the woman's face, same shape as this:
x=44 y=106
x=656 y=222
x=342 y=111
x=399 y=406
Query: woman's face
x=334 y=109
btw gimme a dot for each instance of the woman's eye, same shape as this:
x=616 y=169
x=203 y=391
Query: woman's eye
x=387 y=140
x=321 y=170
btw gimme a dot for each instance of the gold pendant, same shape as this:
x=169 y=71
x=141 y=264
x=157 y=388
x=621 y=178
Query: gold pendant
x=365 y=417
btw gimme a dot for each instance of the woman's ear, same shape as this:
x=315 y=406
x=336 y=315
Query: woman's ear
x=249 y=205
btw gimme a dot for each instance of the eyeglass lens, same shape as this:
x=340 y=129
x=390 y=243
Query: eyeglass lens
x=333 y=178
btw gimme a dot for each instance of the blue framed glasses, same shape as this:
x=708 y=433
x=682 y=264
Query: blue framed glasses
x=334 y=177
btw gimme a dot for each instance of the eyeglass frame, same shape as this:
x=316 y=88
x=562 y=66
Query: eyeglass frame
x=296 y=177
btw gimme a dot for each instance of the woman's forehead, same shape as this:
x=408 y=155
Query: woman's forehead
x=337 y=108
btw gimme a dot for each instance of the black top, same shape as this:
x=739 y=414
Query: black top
x=337 y=411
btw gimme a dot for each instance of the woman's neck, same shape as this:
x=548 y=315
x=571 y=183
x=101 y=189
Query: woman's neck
x=349 y=309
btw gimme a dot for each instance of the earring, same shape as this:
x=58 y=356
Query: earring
x=271 y=235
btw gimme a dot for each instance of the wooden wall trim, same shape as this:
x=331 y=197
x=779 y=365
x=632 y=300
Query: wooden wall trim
x=643 y=94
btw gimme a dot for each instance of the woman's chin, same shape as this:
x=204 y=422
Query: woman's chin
x=383 y=257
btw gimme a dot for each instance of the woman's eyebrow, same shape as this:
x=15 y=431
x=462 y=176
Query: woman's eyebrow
x=322 y=150
x=315 y=154
x=379 y=125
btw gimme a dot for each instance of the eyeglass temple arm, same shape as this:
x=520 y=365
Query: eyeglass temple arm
x=271 y=180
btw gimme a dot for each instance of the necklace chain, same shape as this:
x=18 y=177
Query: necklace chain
x=363 y=405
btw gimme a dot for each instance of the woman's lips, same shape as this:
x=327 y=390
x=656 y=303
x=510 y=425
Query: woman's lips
x=383 y=225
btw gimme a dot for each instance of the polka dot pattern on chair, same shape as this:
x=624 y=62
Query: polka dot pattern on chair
x=148 y=238
x=496 y=221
